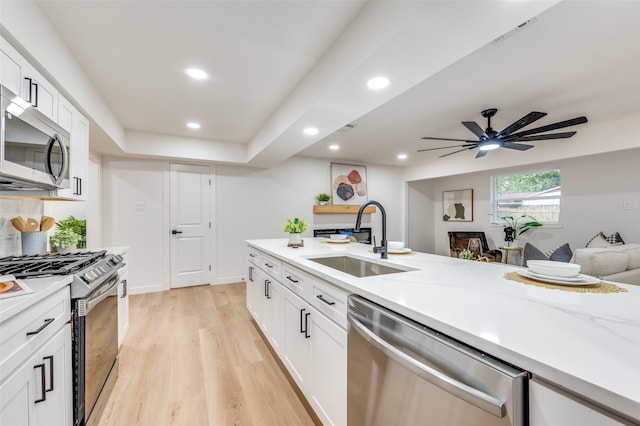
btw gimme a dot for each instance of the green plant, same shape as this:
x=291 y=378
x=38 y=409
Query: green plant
x=64 y=237
x=518 y=227
x=295 y=226
x=78 y=226
x=466 y=254
x=323 y=197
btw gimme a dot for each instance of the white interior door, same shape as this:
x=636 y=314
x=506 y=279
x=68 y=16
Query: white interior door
x=190 y=225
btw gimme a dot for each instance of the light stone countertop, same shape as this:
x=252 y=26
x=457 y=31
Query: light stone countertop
x=42 y=288
x=588 y=343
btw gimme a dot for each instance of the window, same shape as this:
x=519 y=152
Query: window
x=536 y=194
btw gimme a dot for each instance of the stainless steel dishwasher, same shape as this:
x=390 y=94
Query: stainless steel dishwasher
x=403 y=373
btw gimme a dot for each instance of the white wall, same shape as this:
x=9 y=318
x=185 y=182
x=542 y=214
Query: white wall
x=594 y=190
x=249 y=203
x=420 y=216
x=128 y=184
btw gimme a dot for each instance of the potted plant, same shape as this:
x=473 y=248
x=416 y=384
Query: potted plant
x=64 y=240
x=295 y=227
x=323 y=198
x=514 y=228
x=78 y=226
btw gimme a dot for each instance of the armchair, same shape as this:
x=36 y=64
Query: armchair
x=459 y=241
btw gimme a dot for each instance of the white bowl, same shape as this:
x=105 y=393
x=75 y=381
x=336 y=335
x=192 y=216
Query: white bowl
x=338 y=236
x=554 y=269
x=395 y=245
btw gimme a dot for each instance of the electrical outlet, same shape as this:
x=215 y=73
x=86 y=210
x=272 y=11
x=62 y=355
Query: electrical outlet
x=630 y=205
x=139 y=207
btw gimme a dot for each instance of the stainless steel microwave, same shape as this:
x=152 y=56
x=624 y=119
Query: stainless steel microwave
x=34 y=150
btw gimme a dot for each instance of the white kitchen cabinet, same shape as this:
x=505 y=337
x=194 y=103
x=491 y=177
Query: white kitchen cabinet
x=24 y=80
x=304 y=320
x=39 y=392
x=272 y=314
x=552 y=407
x=123 y=304
x=254 y=287
x=77 y=124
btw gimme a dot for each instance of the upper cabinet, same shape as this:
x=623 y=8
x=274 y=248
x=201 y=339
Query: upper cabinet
x=19 y=76
x=22 y=78
x=78 y=126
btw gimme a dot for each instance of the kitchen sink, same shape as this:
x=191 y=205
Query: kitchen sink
x=357 y=267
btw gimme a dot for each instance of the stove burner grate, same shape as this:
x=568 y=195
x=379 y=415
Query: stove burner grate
x=48 y=264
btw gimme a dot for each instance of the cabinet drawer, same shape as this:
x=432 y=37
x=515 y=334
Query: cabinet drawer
x=25 y=332
x=253 y=256
x=331 y=301
x=271 y=265
x=296 y=280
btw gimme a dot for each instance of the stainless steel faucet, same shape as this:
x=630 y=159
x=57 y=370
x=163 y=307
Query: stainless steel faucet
x=382 y=248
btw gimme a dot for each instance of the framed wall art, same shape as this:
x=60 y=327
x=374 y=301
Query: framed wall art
x=348 y=184
x=457 y=206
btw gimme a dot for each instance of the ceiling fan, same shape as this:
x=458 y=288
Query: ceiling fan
x=489 y=139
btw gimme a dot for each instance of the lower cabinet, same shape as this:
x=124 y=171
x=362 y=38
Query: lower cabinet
x=123 y=304
x=40 y=391
x=311 y=345
x=551 y=407
x=315 y=353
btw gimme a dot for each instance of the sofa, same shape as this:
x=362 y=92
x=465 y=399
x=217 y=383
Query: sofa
x=620 y=263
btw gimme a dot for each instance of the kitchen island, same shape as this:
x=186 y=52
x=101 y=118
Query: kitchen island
x=584 y=344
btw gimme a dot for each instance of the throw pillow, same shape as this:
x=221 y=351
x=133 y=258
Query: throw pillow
x=562 y=253
x=599 y=241
x=615 y=239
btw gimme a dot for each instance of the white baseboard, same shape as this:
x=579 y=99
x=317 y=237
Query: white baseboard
x=146 y=289
x=228 y=280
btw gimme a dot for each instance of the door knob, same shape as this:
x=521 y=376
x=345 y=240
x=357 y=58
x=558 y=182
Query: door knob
x=174 y=232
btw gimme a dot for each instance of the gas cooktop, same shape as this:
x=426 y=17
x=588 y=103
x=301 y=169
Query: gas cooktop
x=89 y=269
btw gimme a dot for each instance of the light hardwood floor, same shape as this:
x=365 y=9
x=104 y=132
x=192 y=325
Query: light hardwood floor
x=193 y=356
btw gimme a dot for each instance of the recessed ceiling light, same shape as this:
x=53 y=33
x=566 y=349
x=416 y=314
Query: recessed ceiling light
x=310 y=131
x=378 y=83
x=196 y=74
x=193 y=125
x=334 y=147
x=402 y=156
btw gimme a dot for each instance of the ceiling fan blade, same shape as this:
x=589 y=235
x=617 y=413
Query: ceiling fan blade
x=447 y=139
x=466 y=145
x=563 y=135
x=455 y=152
x=481 y=154
x=474 y=127
x=524 y=121
x=518 y=146
x=554 y=126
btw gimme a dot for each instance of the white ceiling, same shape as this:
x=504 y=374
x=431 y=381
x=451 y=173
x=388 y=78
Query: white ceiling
x=277 y=66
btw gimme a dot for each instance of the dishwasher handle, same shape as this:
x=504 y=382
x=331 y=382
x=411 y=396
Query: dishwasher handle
x=480 y=399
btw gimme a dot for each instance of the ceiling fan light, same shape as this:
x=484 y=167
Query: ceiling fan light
x=488 y=146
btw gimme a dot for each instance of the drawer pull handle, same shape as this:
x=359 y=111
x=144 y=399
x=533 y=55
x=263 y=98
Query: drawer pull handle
x=293 y=280
x=325 y=300
x=42 y=383
x=251 y=273
x=50 y=358
x=302 y=330
x=268 y=265
x=42 y=327
x=252 y=255
x=306 y=325
x=267 y=289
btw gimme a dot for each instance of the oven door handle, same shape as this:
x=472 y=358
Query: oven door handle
x=480 y=399
x=94 y=300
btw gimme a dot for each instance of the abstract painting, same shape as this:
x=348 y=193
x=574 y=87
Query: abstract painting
x=457 y=206
x=348 y=184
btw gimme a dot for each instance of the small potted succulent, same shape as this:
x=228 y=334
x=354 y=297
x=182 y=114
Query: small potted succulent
x=323 y=198
x=295 y=227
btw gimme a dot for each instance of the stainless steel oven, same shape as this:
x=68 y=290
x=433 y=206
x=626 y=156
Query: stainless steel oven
x=94 y=319
x=34 y=150
x=403 y=373
x=95 y=330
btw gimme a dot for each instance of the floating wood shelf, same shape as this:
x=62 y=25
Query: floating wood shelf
x=341 y=209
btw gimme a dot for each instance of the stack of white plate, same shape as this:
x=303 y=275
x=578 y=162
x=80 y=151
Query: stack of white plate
x=557 y=273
